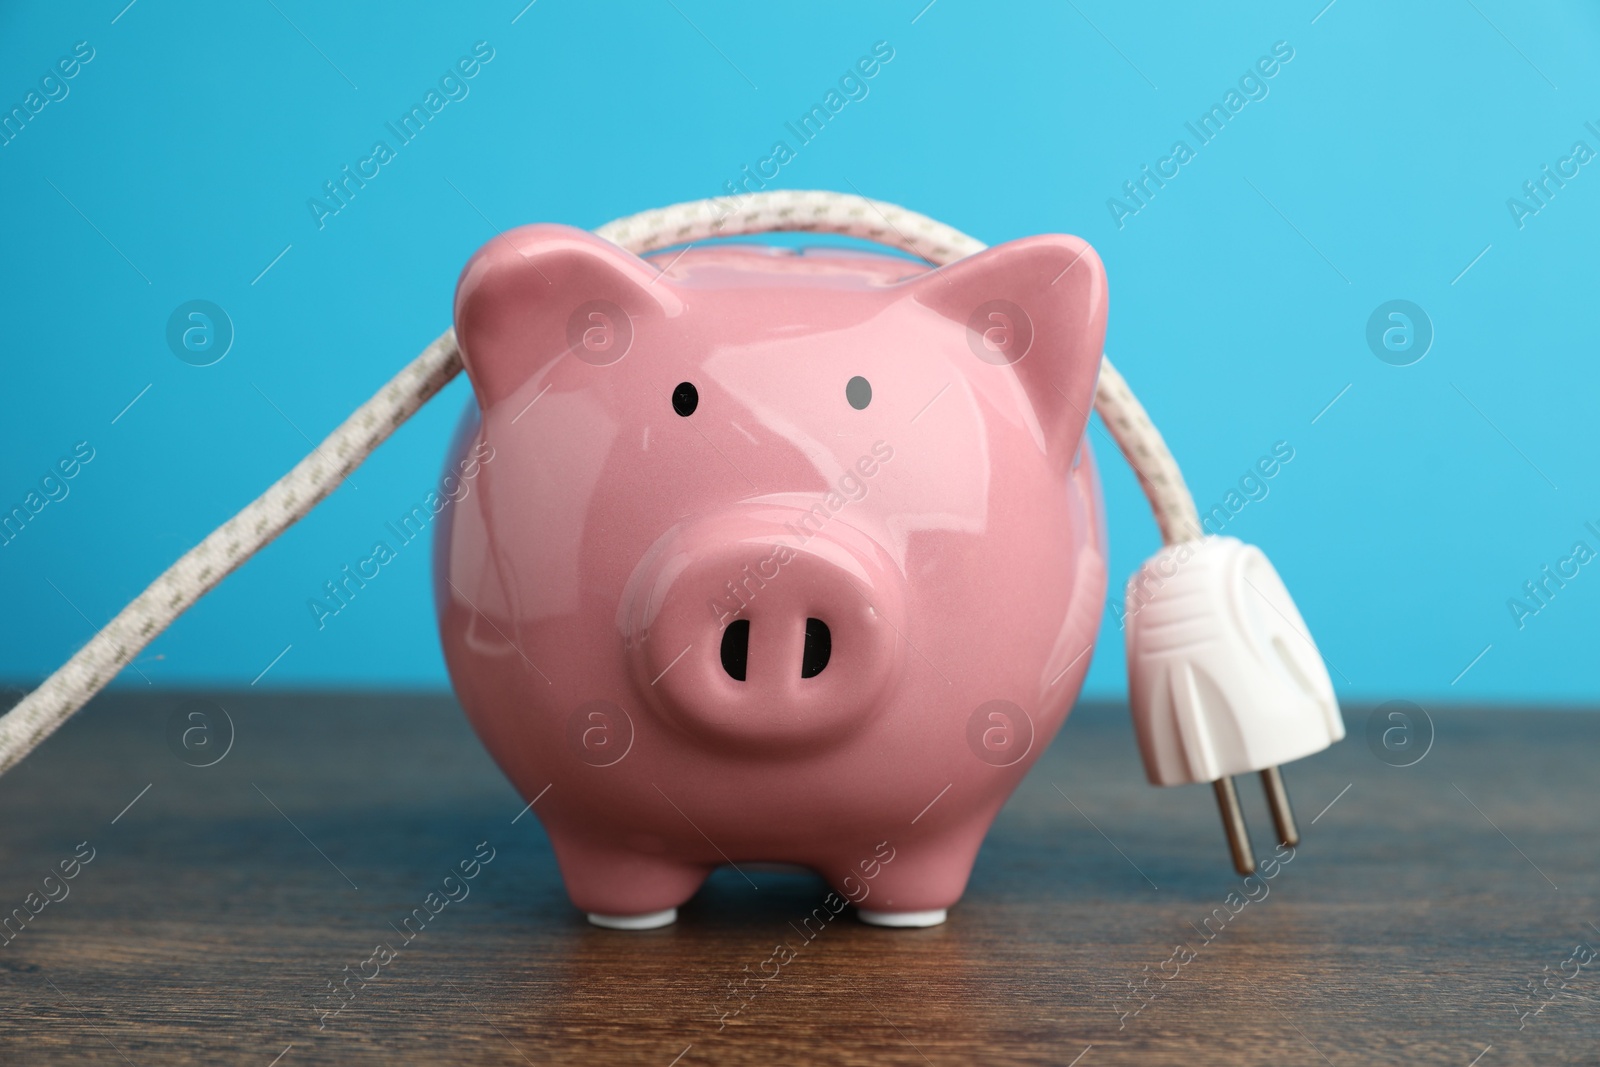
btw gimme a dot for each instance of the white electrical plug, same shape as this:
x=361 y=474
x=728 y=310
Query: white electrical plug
x=1223 y=677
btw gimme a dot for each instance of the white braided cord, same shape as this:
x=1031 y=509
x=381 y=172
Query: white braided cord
x=291 y=497
x=1142 y=445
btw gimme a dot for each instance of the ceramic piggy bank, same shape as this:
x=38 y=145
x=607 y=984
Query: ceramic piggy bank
x=772 y=556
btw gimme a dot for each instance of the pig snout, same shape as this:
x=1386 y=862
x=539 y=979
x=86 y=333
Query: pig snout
x=753 y=629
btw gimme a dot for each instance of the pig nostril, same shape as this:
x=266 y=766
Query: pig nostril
x=736 y=648
x=819 y=646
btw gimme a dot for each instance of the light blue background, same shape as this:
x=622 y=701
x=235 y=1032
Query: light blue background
x=1387 y=148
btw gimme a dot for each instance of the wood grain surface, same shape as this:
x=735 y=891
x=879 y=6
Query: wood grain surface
x=1433 y=914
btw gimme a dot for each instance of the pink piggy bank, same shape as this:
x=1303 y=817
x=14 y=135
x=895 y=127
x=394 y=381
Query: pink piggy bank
x=771 y=557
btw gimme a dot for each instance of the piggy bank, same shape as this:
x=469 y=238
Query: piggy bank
x=771 y=556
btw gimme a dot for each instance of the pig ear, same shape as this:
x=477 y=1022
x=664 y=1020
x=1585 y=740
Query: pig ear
x=541 y=293
x=1039 y=306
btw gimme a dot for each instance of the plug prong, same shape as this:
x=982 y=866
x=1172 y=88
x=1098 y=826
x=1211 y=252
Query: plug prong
x=1282 y=813
x=1244 y=859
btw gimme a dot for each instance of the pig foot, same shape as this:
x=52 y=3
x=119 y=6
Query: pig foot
x=910 y=883
x=624 y=890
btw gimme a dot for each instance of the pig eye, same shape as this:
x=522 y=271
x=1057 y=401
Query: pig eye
x=858 y=391
x=685 y=398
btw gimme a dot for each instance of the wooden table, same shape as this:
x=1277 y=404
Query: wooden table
x=220 y=908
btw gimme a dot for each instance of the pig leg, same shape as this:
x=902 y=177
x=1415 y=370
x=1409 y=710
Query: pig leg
x=621 y=889
x=909 y=883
